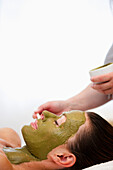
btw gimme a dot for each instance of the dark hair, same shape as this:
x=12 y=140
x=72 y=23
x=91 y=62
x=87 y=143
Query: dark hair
x=93 y=146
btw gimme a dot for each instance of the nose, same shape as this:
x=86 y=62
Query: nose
x=47 y=114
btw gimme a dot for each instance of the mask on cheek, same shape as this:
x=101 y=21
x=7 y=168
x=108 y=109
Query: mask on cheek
x=48 y=135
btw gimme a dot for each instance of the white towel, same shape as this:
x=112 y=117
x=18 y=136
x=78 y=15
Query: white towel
x=102 y=166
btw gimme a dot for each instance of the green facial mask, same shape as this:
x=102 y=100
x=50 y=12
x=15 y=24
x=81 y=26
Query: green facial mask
x=19 y=155
x=49 y=135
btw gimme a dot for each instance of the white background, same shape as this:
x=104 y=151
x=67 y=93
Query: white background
x=47 y=48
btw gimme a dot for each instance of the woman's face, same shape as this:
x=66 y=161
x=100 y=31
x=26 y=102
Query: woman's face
x=51 y=131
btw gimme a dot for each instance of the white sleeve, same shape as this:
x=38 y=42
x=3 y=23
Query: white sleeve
x=109 y=56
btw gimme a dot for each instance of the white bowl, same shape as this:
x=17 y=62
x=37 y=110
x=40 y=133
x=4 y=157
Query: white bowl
x=104 y=69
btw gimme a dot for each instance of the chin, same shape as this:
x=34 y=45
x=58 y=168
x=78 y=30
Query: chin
x=25 y=131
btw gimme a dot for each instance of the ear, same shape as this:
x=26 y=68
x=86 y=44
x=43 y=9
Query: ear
x=64 y=159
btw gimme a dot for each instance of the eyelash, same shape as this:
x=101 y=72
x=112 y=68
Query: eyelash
x=56 y=122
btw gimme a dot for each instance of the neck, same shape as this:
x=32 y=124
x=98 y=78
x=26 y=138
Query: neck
x=37 y=165
x=21 y=159
x=19 y=155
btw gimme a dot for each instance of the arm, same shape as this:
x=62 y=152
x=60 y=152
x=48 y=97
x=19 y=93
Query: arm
x=87 y=99
x=8 y=138
x=91 y=97
x=4 y=163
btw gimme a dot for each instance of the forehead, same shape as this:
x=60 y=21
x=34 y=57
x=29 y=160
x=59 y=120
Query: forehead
x=74 y=117
x=86 y=127
x=73 y=120
x=75 y=114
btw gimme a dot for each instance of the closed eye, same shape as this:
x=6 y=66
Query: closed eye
x=56 y=123
x=60 y=121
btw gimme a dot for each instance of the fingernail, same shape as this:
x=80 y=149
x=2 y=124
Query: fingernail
x=34 y=116
x=35 y=112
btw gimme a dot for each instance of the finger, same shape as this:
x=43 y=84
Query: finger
x=39 y=110
x=102 y=86
x=102 y=78
x=108 y=91
x=43 y=107
x=34 y=116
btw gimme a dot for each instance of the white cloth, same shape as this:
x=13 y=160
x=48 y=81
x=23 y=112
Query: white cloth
x=102 y=166
x=109 y=56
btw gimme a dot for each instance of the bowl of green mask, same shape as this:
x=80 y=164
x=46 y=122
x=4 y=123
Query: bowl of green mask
x=104 y=69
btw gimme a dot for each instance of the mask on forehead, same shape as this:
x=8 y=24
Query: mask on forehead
x=47 y=135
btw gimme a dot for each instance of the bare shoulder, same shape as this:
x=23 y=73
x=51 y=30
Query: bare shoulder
x=7 y=131
x=10 y=136
x=4 y=163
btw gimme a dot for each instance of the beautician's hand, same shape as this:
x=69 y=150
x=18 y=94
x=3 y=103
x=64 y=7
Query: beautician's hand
x=56 y=107
x=106 y=83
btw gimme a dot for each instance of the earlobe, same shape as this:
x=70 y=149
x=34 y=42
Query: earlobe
x=62 y=157
x=65 y=160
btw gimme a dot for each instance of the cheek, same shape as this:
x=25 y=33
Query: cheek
x=41 y=142
x=45 y=139
x=50 y=141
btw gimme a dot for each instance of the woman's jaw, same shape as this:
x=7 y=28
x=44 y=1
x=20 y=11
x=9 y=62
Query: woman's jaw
x=51 y=131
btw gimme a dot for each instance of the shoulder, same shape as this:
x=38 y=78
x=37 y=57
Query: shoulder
x=10 y=136
x=4 y=163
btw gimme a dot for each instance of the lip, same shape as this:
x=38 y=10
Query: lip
x=34 y=125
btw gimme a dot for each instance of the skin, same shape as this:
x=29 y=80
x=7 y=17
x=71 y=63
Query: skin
x=96 y=94
x=57 y=159
x=107 y=86
x=49 y=135
x=8 y=140
x=87 y=99
x=19 y=155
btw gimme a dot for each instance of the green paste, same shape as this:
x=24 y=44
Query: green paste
x=39 y=142
x=101 y=66
x=19 y=155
